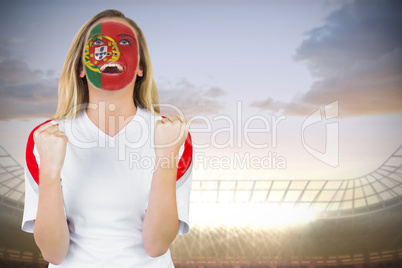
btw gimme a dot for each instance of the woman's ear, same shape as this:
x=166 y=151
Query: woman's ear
x=140 y=71
x=82 y=71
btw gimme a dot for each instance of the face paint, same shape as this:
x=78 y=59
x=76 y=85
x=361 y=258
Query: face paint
x=111 y=55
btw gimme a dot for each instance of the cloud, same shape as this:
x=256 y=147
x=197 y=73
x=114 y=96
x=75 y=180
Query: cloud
x=291 y=108
x=191 y=100
x=26 y=93
x=357 y=55
x=215 y=92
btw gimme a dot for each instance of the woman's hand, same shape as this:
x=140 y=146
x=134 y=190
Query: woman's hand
x=51 y=144
x=170 y=134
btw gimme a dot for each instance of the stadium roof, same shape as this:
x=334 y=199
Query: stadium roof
x=377 y=190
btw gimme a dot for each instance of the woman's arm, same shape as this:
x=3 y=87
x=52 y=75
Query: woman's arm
x=161 y=221
x=50 y=229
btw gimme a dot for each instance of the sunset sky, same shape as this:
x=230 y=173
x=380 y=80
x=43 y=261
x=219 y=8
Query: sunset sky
x=274 y=59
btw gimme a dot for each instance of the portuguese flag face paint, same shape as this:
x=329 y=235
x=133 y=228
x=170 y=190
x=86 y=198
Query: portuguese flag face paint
x=111 y=55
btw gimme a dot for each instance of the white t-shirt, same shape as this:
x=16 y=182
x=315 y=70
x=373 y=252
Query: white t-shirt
x=106 y=182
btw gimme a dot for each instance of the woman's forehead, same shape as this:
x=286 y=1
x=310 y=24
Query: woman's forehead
x=114 y=25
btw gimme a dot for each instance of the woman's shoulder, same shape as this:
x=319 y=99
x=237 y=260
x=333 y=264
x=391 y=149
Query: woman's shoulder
x=147 y=115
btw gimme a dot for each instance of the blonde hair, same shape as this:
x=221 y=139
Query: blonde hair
x=73 y=90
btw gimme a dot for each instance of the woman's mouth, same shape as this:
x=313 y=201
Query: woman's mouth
x=111 y=68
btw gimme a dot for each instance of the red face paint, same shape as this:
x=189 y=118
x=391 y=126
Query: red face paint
x=111 y=55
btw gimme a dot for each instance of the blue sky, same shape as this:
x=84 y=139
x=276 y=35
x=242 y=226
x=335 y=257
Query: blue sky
x=276 y=57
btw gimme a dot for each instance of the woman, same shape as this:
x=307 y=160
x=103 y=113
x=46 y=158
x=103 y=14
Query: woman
x=114 y=176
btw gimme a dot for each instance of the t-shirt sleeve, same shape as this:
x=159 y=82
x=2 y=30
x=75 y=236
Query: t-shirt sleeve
x=31 y=183
x=183 y=184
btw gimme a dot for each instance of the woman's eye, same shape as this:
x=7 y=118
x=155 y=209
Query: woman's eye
x=125 y=42
x=98 y=42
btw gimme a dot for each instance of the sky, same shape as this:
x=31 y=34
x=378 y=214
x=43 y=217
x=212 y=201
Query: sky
x=236 y=66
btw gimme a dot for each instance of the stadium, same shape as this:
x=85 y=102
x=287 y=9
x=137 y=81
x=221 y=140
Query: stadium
x=352 y=222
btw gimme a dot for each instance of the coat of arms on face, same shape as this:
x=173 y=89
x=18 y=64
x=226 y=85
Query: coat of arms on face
x=100 y=52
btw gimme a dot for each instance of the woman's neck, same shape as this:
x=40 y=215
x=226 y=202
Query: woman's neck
x=110 y=111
